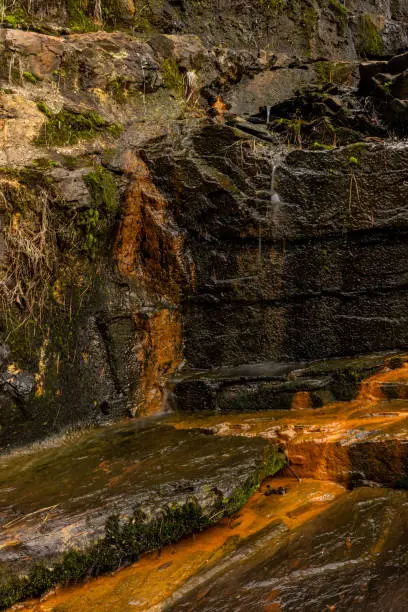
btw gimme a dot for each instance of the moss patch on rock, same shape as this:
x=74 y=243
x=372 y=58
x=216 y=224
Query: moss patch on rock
x=172 y=76
x=215 y=477
x=96 y=221
x=371 y=43
x=67 y=127
x=122 y=543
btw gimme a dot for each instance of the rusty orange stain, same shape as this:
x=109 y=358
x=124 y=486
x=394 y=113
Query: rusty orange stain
x=157 y=575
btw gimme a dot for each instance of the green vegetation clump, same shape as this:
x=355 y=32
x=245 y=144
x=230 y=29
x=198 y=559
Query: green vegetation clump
x=15 y=18
x=103 y=190
x=273 y=462
x=341 y=13
x=333 y=72
x=67 y=128
x=319 y=146
x=172 y=76
x=122 y=543
x=79 y=20
x=97 y=220
x=30 y=77
x=44 y=109
x=310 y=19
x=371 y=42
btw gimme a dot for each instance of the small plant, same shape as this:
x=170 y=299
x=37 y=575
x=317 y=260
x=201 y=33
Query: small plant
x=387 y=87
x=353 y=161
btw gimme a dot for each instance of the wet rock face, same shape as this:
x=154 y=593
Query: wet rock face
x=278 y=386
x=310 y=267
x=387 y=83
x=192 y=242
x=348 y=557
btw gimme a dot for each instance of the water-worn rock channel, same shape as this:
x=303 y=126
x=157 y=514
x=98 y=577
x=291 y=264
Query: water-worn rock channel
x=203 y=290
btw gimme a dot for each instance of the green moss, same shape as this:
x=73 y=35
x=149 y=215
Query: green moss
x=122 y=543
x=340 y=12
x=310 y=18
x=15 y=19
x=172 y=76
x=103 y=190
x=31 y=78
x=353 y=161
x=67 y=127
x=318 y=146
x=44 y=109
x=273 y=462
x=96 y=221
x=45 y=162
x=125 y=540
x=333 y=72
x=371 y=43
x=357 y=147
x=118 y=89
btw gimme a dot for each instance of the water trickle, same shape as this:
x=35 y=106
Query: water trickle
x=268 y=113
x=275 y=201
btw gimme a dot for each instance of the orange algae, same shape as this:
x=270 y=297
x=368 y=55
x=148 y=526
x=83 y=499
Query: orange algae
x=158 y=575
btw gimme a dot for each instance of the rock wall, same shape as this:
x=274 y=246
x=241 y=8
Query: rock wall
x=150 y=218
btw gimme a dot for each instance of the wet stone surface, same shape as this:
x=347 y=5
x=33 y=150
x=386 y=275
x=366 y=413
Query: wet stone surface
x=270 y=385
x=350 y=557
x=57 y=499
x=153 y=582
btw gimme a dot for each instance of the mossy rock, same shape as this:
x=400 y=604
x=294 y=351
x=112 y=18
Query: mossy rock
x=67 y=127
x=169 y=483
x=370 y=43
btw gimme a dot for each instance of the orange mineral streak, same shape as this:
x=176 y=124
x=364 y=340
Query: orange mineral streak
x=147 y=584
x=219 y=107
x=329 y=443
x=301 y=401
x=149 y=253
x=159 y=356
x=148 y=246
